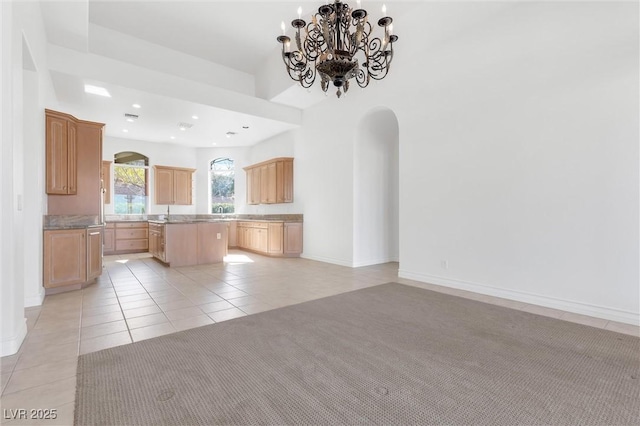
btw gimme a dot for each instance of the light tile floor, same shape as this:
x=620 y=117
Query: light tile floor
x=138 y=298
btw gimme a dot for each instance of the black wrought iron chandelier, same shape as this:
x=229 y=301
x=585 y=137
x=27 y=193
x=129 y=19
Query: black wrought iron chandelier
x=331 y=42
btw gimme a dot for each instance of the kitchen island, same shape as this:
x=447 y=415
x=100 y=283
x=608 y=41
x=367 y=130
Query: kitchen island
x=276 y=235
x=188 y=242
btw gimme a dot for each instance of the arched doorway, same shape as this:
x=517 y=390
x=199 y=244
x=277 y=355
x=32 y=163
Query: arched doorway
x=376 y=189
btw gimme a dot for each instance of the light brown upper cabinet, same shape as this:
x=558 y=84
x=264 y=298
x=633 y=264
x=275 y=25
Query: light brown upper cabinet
x=173 y=185
x=73 y=164
x=270 y=182
x=61 y=150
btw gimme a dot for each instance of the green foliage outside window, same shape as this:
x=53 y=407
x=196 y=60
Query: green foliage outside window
x=130 y=187
x=222 y=185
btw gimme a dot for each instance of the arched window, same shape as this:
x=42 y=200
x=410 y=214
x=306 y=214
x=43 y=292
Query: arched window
x=131 y=183
x=222 y=185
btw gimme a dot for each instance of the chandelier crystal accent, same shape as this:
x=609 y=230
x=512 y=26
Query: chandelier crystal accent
x=328 y=46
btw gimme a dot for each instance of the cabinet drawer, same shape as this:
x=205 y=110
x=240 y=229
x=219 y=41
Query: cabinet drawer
x=262 y=225
x=132 y=225
x=123 y=234
x=110 y=225
x=132 y=244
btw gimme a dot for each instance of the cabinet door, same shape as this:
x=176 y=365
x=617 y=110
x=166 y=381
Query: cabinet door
x=287 y=181
x=272 y=183
x=162 y=254
x=153 y=240
x=94 y=253
x=106 y=181
x=279 y=182
x=249 y=183
x=255 y=187
x=275 y=238
x=109 y=240
x=182 y=183
x=72 y=158
x=292 y=238
x=239 y=236
x=65 y=257
x=57 y=155
x=164 y=186
x=262 y=240
x=267 y=188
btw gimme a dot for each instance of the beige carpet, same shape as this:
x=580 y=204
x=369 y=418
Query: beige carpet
x=390 y=354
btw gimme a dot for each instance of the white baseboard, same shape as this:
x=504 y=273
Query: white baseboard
x=326 y=260
x=34 y=300
x=597 y=311
x=346 y=263
x=11 y=344
x=373 y=262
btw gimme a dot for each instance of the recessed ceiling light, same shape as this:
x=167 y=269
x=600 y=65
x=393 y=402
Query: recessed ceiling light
x=136 y=106
x=125 y=130
x=130 y=120
x=182 y=128
x=214 y=144
x=195 y=117
x=229 y=134
x=245 y=127
x=172 y=137
x=96 y=90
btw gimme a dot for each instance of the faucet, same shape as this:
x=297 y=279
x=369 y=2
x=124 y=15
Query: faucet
x=168 y=212
x=220 y=209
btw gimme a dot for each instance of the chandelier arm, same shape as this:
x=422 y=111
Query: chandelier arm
x=297 y=69
x=378 y=59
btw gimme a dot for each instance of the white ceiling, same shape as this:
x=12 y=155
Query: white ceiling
x=204 y=58
x=236 y=35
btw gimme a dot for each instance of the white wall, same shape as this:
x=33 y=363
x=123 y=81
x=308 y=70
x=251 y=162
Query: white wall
x=375 y=189
x=518 y=154
x=26 y=91
x=516 y=167
x=161 y=155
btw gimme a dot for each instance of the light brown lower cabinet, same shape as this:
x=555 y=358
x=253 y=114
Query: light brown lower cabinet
x=126 y=237
x=72 y=256
x=270 y=238
x=109 y=239
x=292 y=238
x=94 y=253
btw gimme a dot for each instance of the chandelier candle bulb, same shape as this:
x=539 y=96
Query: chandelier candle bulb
x=282 y=27
x=384 y=10
x=300 y=12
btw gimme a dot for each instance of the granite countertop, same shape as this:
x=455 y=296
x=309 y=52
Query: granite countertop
x=53 y=227
x=196 y=218
x=53 y=222
x=182 y=221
